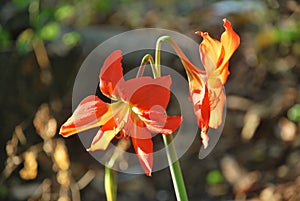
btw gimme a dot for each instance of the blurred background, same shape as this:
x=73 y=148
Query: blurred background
x=42 y=46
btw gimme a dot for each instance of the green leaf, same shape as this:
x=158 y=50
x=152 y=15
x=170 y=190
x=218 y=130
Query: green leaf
x=22 y=4
x=64 y=12
x=5 y=39
x=71 y=38
x=24 y=41
x=214 y=177
x=104 y=5
x=50 y=31
x=3 y=191
x=294 y=113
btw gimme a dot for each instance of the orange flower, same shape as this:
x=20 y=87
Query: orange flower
x=215 y=54
x=137 y=110
x=206 y=87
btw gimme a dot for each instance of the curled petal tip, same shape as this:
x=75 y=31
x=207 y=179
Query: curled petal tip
x=226 y=24
x=62 y=134
x=62 y=131
x=205 y=144
x=92 y=149
x=67 y=130
x=205 y=139
x=200 y=33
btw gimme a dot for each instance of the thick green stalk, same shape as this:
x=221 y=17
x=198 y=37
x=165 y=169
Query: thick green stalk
x=175 y=168
x=173 y=161
x=110 y=184
x=146 y=59
x=110 y=177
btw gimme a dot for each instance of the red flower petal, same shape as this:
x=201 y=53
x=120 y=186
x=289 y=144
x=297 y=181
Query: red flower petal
x=90 y=113
x=203 y=120
x=202 y=109
x=111 y=73
x=135 y=127
x=104 y=136
x=144 y=148
x=146 y=92
x=141 y=141
x=154 y=119
x=172 y=123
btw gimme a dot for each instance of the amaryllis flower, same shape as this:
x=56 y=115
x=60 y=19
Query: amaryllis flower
x=215 y=57
x=206 y=87
x=137 y=110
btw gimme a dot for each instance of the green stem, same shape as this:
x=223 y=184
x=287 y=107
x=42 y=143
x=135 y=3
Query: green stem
x=146 y=59
x=110 y=177
x=173 y=161
x=110 y=184
x=175 y=169
x=187 y=64
x=157 y=55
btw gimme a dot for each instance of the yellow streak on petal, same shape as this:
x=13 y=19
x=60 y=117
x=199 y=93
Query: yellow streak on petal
x=216 y=115
x=145 y=158
x=99 y=121
x=104 y=141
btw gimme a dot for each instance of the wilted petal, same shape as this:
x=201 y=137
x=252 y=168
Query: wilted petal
x=188 y=65
x=200 y=99
x=111 y=73
x=90 y=113
x=230 y=41
x=197 y=88
x=223 y=72
x=214 y=82
x=210 y=51
x=216 y=114
x=215 y=88
x=204 y=137
x=202 y=109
